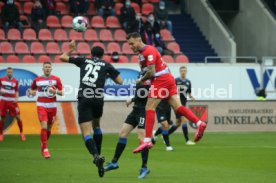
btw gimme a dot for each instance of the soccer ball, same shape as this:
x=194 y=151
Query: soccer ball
x=79 y=24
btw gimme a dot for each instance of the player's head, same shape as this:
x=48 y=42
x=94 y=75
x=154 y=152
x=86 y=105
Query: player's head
x=47 y=68
x=97 y=51
x=183 y=71
x=135 y=41
x=9 y=72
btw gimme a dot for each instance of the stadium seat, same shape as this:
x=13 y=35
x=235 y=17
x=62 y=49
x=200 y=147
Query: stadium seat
x=14 y=35
x=91 y=10
x=97 y=22
x=118 y=7
x=19 y=7
x=123 y=59
x=56 y=59
x=25 y=21
x=106 y=35
x=37 y=48
x=174 y=47
x=120 y=35
x=166 y=35
x=112 y=22
x=66 y=21
x=21 y=48
x=74 y=35
x=83 y=48
x=12 y=59
x=90 y=35
x=1 y=59
x=6 y=48
x=2 y=35
x=60 y=35
x=134 y=59
x=53 y=22
x=154 y=1
x=112 y=46
x=29 y=35
x=99 y=44
x=45 y=35
x=52 y=48
x=43 y=58
x=107 y=58
x=27 y=8
x=61 y=8
x=28 y=59
x=168 y=59
x=182 y=59
x=136 y=7
x=126 y=49
x=65 y=47
x=147 y=8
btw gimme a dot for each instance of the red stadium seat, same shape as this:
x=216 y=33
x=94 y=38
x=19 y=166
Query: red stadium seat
x=91 y=10
x=27 y=8
x=154 y=1
x=52 y=48
x=112 y=22
x=56 y=60
x=147 y=8
x=29 y=35
x=118 y=7
x=74 y=35
x=6 y=48
x=99 y=44
x=25 y=21
x=134 y=59
x=44 y=58
x=120 y=35
x=45 y=35
x=107 y=58
x=1 y=59
x=53 y=22
x=111 y=47
x=12 y=59
x=168 y=59
x=174 y=47
x=19 y=7
x=90 y=35
x=21 y=48
x=123 y=59
x=126 y=49
x=65 y=47
x=37 y=48
x=83 y=48
x=14 y=35
x=2 y=35
x=60 y=35
x=97 y=22
x=182 y=59
x=61 y=8
x=28 y=59
x=66 y=21
x=136 y=7
x=106 y=35
x=166 y=35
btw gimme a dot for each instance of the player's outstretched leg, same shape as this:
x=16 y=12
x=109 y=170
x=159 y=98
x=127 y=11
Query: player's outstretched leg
x=98 y=137
x=20 y=126
x=186 y=134
x=144 y=171
x=44 y=144
x=118 y=152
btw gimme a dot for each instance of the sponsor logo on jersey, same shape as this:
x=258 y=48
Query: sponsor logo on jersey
x=150 y=58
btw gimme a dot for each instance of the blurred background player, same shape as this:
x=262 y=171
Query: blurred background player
x=46 y=87
x=93 y=73
x=135 y=118
x=8 y=102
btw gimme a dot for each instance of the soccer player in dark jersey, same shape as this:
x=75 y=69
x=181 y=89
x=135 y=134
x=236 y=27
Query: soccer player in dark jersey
x=93 y=73
x=135 y=118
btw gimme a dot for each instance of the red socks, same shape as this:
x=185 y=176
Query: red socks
x=20 y=125
x=43 y=139
x=48 y=134
x=183 y=111
x=150 y=118
x=1 y=126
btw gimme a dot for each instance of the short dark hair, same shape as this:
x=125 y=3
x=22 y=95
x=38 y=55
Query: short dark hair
x=97 y=51
x=9 y=68
x=133 y=35
x=182 y=67
x=47 y=62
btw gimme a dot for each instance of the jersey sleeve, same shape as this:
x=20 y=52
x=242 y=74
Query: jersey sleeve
x=59 y=84
x=33 y=86
x=16 y=86
x=190 y=87
x=113 y=73
x=150 y=56
x=78 y=61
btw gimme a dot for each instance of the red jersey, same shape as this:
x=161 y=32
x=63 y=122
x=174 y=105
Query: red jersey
x=41 y=84
x=149 y=55
x=9 y=87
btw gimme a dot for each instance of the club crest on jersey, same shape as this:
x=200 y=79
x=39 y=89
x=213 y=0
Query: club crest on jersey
x=150 y=58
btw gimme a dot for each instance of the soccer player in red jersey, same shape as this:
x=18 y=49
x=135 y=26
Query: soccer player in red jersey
x=8 y=102
x=46 y=87
x=163 y=87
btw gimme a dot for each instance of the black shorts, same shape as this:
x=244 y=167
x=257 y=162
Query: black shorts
x=163 y=114
x=136 y=118
x=177 y=116
x=90 y=108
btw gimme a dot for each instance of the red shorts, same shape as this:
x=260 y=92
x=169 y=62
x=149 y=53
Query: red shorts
x=46 y=114
x=163 y=87
x=8 y=106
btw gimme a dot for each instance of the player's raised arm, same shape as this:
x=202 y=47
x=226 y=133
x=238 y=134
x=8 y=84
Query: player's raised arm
x=66 y=55
x=148 y=75
x=118 y=80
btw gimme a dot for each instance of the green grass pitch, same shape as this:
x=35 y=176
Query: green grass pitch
x=220 y=157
